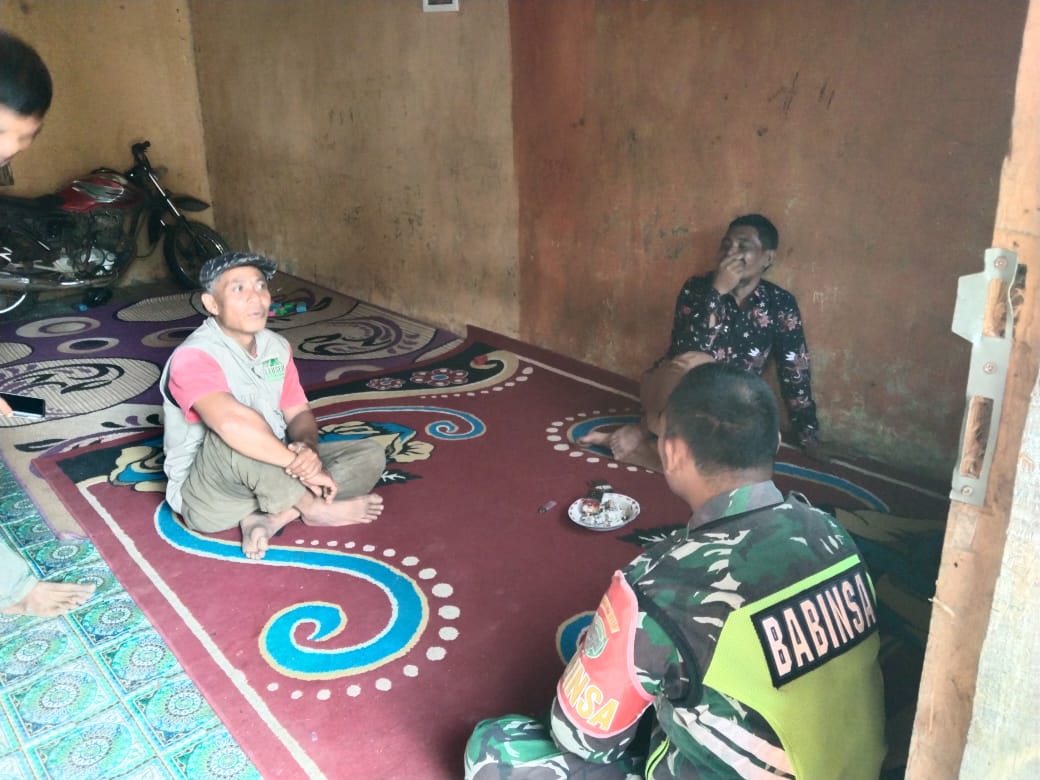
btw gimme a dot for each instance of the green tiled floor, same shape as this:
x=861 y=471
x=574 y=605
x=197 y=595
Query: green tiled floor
x=96 y=694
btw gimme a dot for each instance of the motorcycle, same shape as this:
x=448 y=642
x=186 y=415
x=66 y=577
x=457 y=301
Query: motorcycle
x=87 y=234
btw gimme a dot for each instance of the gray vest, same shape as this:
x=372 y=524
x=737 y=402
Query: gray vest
x=256 y=382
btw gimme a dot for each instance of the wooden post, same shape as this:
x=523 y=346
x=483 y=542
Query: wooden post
x=975 y=535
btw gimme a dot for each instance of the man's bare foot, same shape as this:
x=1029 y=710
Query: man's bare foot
x=596 y=439
x=626 y=440
x=620 y=441
x=258 y=529
x=342 y=511
x=50 y=599
x=628 y=444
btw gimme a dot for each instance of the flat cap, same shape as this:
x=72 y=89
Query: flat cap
x=215 y=266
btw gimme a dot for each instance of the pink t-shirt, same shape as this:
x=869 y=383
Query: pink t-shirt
x=194 y=374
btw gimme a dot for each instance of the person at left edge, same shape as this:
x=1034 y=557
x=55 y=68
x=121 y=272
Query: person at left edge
x=240 y=439
x=25 y=96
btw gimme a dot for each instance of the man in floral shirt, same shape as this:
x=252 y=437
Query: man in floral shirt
x=733 y=316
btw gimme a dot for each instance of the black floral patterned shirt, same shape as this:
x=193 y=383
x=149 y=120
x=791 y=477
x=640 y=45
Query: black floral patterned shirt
x=769 y=322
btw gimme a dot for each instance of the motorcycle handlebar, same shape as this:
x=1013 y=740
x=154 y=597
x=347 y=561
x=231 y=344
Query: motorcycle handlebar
x=139 y=149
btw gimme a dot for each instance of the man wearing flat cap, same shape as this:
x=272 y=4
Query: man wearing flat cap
x=240 y=439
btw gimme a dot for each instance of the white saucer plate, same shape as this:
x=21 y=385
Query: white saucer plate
x=616 y=510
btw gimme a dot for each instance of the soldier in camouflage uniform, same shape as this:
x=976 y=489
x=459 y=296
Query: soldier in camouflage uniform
x=746 y=642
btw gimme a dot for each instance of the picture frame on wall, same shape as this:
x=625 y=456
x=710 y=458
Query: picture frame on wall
x=440 y=5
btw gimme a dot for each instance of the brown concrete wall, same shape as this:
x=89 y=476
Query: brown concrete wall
x=871 y=132
x=368 y=146
x=371 y=147
x=122 y=72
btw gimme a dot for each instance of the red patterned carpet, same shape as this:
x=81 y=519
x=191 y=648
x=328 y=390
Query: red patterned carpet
x=371 y=651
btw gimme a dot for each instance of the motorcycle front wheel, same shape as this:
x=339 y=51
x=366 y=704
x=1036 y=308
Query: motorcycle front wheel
x=188 y=245
x=10 y=300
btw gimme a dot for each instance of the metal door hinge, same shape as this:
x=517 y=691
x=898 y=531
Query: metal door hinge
x=984 y=315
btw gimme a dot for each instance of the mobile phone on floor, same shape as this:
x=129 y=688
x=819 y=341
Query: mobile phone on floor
x=25 y=405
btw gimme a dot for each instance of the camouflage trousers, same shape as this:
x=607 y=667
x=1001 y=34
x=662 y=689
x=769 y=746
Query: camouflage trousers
x=516 y=747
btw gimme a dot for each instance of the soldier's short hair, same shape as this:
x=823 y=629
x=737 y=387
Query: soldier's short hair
x=727 y=416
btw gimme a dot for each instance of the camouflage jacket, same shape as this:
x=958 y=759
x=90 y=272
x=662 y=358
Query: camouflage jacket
x=737 y=549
